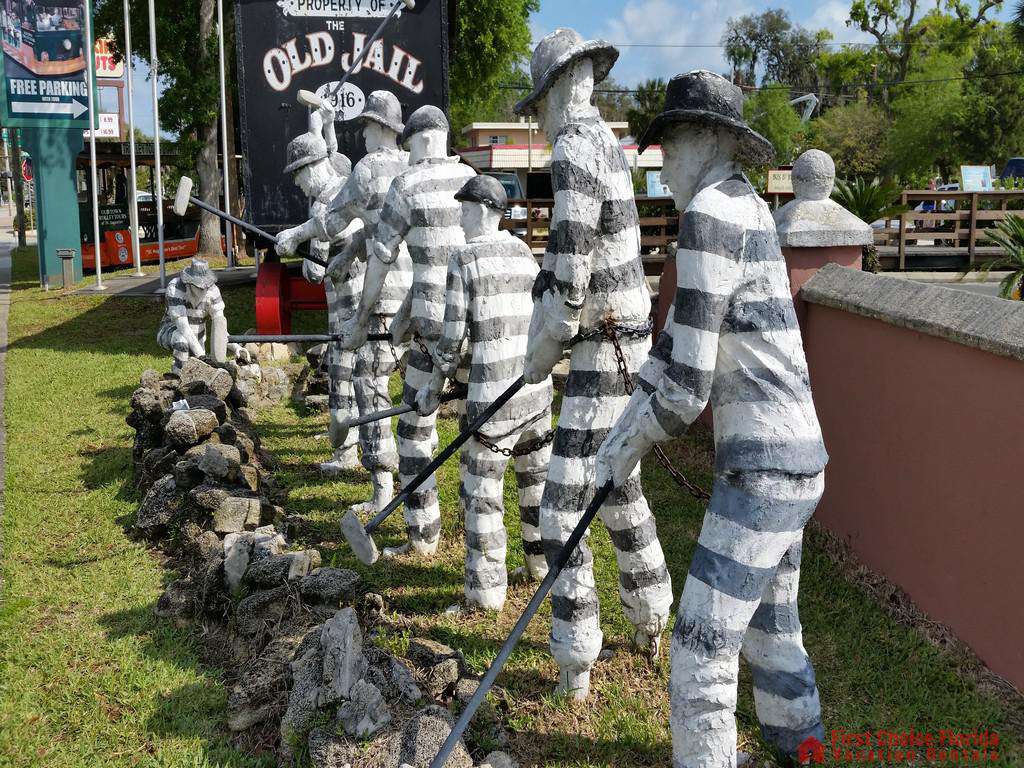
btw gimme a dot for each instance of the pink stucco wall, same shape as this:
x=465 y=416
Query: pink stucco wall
x=925 y=436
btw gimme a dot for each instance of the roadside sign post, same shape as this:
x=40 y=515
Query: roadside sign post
x=45 y=93
x=95 y=193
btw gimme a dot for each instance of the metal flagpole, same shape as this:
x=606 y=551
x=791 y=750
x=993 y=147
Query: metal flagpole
x=91 y=82
x=133 y=207
x=228 y=231
x=154 y=70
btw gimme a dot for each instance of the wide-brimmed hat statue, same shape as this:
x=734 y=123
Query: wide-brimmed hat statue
x=555 y=54
x=383 y=108
x=702 y=98
x=198 y=274
x=305 y=150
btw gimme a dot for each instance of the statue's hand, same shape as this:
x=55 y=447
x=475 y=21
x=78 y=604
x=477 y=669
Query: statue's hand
x=288 y=241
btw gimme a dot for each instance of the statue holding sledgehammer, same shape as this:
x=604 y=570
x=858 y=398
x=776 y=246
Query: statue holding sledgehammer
x=421 y=210
x=360 y=200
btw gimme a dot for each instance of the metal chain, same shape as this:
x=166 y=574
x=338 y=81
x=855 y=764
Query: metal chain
x=610 y=332
x=518 y=450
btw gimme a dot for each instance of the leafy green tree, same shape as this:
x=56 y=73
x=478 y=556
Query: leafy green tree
x=769 y=113
x=991 y=128
x=900 y=34
x=925 y=118
x=855 y=136
x=189 y=105
x=648 y=99
x=787 y=53
x=491 y=44
x=614 y=100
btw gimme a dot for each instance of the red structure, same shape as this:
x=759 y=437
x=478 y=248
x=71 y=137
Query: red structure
x=281 y=290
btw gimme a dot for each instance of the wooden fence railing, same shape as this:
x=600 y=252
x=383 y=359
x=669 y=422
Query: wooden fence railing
x=952 y=233
x=659 y=227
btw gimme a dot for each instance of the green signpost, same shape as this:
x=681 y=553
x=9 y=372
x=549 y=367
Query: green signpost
x=45 y=93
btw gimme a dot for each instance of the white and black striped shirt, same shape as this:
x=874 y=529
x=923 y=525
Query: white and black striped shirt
x=489 y=305
x=733 y=338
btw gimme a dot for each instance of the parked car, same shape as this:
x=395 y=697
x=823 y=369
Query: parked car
x=1014 y=168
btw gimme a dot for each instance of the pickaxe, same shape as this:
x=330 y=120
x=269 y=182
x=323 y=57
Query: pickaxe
x=554 y=569
x=184 y=197
x=301 y=338
x=360 y=537
x=398 y=410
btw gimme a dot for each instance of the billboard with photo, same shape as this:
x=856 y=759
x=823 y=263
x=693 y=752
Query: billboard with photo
x=285 y=46
x=44 y=64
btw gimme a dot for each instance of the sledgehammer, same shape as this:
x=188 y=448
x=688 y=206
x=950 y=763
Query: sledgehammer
x=299 y=338
x=398 y=410
x=561 y=560
x=184 y=197
x=360 y=538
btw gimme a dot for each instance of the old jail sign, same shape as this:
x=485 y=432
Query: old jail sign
x=288 y=45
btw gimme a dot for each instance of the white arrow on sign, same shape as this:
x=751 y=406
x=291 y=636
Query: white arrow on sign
x=76 y=108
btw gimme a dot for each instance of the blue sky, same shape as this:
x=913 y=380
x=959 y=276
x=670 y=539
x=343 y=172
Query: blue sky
x=632 y=23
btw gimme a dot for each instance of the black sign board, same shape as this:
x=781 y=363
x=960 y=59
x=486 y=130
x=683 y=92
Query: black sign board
x=285 y=46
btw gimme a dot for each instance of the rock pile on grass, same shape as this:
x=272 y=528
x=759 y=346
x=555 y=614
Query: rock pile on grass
x=295 y=635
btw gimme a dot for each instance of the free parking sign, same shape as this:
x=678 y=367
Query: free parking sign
x=44 y=75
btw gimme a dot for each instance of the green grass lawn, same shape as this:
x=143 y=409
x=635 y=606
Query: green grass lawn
x=89 y=676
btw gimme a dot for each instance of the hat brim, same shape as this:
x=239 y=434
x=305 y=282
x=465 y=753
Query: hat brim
x=755 y=148
x=398 y=128
x=492 y=204
x=604 y=55
x=298 y=165
x=199 y=281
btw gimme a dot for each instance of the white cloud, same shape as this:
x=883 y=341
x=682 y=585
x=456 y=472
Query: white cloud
x=832 y=16
x=674 y=23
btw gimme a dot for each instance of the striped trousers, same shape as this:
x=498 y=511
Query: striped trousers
x=341 y=397
x=481 y=493
x=170 y=338
x=741 y=597
x=375 y=362
x=594 y=397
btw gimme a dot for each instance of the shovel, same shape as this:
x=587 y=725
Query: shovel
x=398 y=410
x=301 y=338
x=360 y=537
x=517 y=631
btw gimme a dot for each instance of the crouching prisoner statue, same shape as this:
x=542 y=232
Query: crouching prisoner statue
x=591 y=290
x=488 y=305
x=314 y=164
x=361 y=199
x=420 y=209
x=732 y=337
x=193 y=298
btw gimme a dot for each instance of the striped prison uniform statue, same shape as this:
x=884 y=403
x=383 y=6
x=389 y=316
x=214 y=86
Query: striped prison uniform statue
x=421 y=209
x=488 y=305
x=362 y=198
x=343 y=288
x=591 y=273
x=168 y=336
x=733 y=338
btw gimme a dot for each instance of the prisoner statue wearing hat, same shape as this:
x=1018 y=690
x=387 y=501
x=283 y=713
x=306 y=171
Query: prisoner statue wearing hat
x=732 y=338
x=420 y=209
x=360 y=199
x=592 y=276
x=192 y=299
x=488 y=305
x=312 y=161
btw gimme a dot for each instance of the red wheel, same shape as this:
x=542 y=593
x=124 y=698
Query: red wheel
x=273 y=315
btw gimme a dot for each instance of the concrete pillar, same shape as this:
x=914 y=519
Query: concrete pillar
x=54 y=152
x=814 y=230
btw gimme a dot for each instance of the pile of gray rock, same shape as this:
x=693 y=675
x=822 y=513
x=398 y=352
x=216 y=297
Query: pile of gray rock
x=290 y=630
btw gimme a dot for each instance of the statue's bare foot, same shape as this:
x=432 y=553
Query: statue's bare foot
x=343 y=461
x=572 y=684
x=390 y=552
x=647 y=645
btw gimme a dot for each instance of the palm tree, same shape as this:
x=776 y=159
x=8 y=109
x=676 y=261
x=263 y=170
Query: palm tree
x=1018 y=22
x=869 y=200
x=1009 y=235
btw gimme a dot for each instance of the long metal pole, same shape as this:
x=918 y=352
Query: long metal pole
x=154 y=71
x=133 y=187
x=228 y=231
x=517 y=631
x=91 y=82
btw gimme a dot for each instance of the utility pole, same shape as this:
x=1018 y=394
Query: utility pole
x=19 y=185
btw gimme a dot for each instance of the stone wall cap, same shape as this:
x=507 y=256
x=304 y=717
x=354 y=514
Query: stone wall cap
x=984 y=322
x=819 y=224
